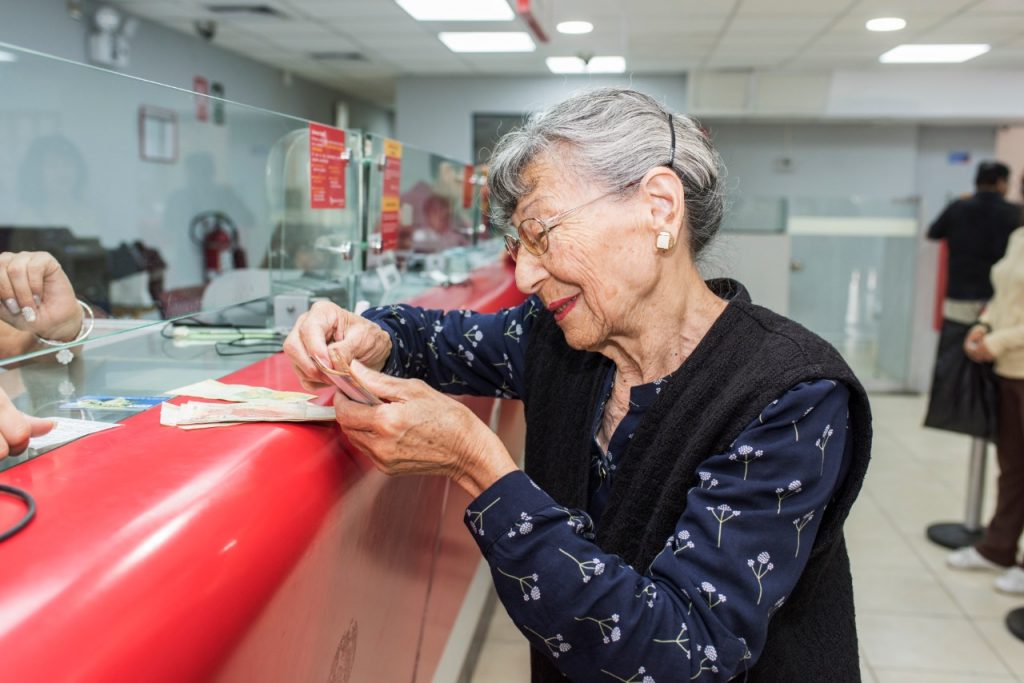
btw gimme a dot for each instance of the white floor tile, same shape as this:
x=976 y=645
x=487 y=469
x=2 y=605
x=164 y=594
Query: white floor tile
x=896 y=592
x=903 y=676
x=1010 y=650
x=912 y=642
x=503 y=662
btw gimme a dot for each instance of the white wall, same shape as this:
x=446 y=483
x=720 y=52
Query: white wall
x=1010 y=150
x=920 y=93
x=928 y=93
x=437 y=113
x=828 y=160
x=168 y=57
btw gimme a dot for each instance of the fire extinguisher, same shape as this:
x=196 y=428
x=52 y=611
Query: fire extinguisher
x=217 y=235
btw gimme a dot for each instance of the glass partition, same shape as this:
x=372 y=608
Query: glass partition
x=424 y=222
x=842 y=266
x=852 y=279
x=160 y=203
x=761 y=215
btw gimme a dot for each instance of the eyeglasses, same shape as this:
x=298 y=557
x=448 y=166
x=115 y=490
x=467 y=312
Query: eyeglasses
x=533 y=232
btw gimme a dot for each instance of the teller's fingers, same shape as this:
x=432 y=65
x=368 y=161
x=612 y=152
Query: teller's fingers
x=10 y=304
x=17 y=270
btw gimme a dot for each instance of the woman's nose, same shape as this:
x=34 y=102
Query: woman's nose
x=530 y=274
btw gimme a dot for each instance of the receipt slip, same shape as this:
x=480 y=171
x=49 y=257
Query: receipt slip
x=348 y=385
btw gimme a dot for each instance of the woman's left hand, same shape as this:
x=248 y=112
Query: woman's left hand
x=419 y=430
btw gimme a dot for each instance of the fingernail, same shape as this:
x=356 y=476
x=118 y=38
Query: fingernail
x=35 y=297
x=12 y=306
x=29 y=313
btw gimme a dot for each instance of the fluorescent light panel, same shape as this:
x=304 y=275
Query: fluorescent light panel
x=596 y=65
x=886 y=24
x=574 y=27
x=458 y=10
x=933 y=54
x=487 y=42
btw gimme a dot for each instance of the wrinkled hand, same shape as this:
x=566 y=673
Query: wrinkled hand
x=975 y=348
x=351 y=337
x=422 y=431
x=36 y=296
x=16 y=428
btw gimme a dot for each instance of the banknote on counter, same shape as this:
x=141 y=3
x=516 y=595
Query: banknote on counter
x=239 y=393
x=192 y=414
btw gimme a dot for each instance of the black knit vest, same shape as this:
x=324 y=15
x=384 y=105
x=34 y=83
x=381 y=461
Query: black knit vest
x=748 y=358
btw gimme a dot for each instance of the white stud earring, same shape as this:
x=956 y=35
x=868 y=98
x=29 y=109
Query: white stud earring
x=664 y=241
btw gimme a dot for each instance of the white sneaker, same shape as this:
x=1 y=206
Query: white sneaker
x=1011 y=581
x=969 y=558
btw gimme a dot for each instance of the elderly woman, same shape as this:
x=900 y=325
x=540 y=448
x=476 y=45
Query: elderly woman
x=690 y=457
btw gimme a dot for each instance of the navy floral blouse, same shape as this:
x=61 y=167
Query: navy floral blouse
x=701 y=610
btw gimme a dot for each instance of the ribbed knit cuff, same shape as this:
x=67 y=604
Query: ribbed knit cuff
x=393 y=366
x=505 y=509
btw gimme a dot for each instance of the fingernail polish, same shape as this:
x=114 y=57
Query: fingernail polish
x=35 y=297
x=12 y=306
x=29 y=313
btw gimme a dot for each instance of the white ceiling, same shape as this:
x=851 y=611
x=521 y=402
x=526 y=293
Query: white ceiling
x=655 y=36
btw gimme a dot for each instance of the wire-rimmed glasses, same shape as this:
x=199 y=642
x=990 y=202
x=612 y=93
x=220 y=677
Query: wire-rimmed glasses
x=532 y=233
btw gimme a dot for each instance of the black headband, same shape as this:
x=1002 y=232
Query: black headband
x=672 y=153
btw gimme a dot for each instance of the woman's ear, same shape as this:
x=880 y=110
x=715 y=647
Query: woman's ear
x=665 y=197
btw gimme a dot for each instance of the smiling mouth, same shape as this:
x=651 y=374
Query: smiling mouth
x=559 y=307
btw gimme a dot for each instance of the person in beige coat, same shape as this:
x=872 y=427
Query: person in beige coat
x=998 y=338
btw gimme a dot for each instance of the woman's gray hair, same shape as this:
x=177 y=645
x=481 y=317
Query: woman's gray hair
x=614 y=136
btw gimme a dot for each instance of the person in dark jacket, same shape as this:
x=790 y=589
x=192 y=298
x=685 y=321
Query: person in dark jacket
x=690 y=457
x=977 y=229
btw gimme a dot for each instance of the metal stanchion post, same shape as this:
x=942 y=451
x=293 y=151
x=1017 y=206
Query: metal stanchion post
x=956 y=535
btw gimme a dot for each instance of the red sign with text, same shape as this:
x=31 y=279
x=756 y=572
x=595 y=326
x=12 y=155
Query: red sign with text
x=326 y=167
x=391 y=201
x=202 y=87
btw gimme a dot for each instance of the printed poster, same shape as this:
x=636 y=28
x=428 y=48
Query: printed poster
x=326 y=167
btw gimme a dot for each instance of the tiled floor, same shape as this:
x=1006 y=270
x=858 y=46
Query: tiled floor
x=919 y=622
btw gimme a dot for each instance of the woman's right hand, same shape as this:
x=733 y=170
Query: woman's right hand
x=336 y=337
x=974 y=345
x=16 y=428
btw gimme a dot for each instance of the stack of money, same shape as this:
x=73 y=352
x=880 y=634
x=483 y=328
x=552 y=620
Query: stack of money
x=248 y=404
x=197 y=415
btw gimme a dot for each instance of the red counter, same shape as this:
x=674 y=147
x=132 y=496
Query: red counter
x=261 y=552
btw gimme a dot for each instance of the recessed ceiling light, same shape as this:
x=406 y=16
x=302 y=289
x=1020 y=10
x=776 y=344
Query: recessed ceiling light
x=458 y=10
x=487 y=42
x=886 y=24
x=574 y=27
x=933 y=54
x=8 y=56
x=596 y=65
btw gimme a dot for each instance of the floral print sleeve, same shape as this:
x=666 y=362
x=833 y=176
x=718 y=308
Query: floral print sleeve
x=701 y=610
x=459 y=352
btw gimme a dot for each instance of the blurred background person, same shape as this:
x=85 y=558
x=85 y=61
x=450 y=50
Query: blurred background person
x=999 y=338
x=52 y=183
x=976 y=230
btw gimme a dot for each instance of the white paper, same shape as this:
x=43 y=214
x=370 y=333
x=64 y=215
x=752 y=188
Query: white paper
x=239 y=393
x=67 y=430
